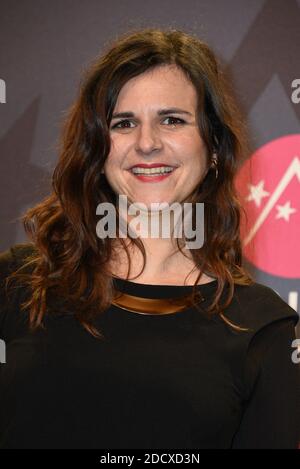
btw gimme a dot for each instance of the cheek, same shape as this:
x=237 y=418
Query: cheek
x=112 y=161
x=195 y=163
x=189 y=144
x=117 y=154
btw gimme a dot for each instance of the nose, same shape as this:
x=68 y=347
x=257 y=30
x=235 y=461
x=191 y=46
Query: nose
x=147 y=139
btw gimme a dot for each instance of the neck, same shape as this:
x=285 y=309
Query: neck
x=156 y=230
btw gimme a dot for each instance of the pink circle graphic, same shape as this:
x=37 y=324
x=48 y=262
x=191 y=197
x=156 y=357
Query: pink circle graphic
x=268 y=186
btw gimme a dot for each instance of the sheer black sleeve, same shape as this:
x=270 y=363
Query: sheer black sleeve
x=12 y=319
x=271 y=417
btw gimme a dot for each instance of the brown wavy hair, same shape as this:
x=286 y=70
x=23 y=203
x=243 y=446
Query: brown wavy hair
x=70 y=261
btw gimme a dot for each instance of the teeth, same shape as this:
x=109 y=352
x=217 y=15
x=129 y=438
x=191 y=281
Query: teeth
x=160 y=170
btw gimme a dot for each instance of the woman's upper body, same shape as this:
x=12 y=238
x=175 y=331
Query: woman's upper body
x=187 y=379
x=178 y=380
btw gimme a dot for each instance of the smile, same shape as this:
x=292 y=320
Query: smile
x=152 y=174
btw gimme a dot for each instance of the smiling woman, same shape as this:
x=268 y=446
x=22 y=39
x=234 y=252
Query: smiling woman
x=193 y=353
x=153 y=137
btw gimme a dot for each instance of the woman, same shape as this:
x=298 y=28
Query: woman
x=136 y=342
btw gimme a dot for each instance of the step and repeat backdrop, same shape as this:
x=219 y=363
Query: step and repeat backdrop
x=46 y=45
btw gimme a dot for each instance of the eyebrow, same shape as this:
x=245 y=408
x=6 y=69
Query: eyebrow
x=160 y=112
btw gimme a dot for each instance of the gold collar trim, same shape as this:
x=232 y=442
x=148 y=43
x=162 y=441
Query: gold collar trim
x=140 y=305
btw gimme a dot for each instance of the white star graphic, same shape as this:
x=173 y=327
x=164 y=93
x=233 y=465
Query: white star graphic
x=284 y=211
x=257 y=193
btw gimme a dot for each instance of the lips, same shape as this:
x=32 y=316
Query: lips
x=152 y=165
x=148 y=177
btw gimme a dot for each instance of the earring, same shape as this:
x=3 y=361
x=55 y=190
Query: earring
x=215 y=164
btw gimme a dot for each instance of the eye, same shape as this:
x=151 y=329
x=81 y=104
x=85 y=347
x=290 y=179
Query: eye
x=119 y=125
x=179 y=121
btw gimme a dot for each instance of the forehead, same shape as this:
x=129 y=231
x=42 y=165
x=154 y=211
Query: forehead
x=163 y=85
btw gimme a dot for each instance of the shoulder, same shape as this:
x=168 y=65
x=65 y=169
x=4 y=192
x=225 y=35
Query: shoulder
x=11 y=298
x=14 y=257
x=257 y=305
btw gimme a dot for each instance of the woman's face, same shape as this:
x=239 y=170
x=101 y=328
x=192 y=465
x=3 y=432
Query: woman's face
x=146 y=135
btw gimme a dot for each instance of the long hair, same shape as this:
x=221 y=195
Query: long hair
x=70 y=261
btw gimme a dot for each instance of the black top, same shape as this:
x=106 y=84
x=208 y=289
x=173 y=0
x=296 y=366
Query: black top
x=175 y=381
